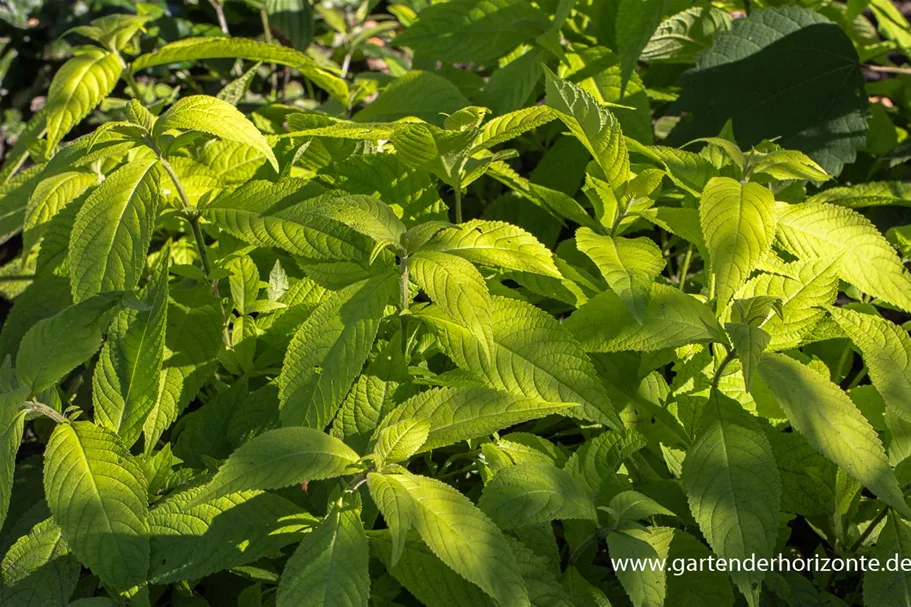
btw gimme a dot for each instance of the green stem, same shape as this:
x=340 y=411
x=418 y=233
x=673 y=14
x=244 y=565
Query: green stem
x=220 y=14
x=44 y=410
x=405 y=296
x=193 y=219
x=131 y=82
x=869 y=529
x=458 y=203
x=267 y=31
x=685 y=268
x=201 y=246
x=729 y=357
x=17 y=277
x=858 y=378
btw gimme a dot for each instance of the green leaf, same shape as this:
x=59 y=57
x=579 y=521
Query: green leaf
x=55 y=346
x=190 y=49
x=329 y=567
x=672 y=318
x=97 y=494
x=820 y=114
x=279 y=458
x=648 y=587
x=509 y=126
x=636 y=21
x=528 y=494
x=112 y=31
x=12 y=424
x=77 y=88
x=328 y=351
x=49 y=197
x=395 y=505
x=738 y=222
x=629 y=265
x=465 y=31
x=886 y=349
x=113 y=230
x=882 y=588
x=127 y=375
x=541 y=361
x=733 y=487
x=38 y=569
x=631 y=506
x=495 y=244
x=597 y=461
x=464 y=538
x=215 y=117
x=866 y=259
x=397 y=442
x=460 y=414
x=750 y=343
x=190 y=542
x=458 y=289
x=870 y=194
x=244 y=282
x=832 y=424
x=682 y=36
x=593 y=125
x=418 y=94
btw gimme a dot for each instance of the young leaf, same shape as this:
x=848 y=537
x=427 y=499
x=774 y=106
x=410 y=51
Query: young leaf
x=464 y=538
x=738 y=222
x=397 y=442
x=97 y=494
x=55 y=346
x=828 y=419
x=215 y=117
x=80 y=85
x=866 y=259
x=628 y=265
x=750 y=343
x=593 y=125
x=733 y=487
x=458 y=289
x=328 y=351
x=886 y=350
x=395 y=504
x=126 y=380
x=279 y=458
x=230 y=48
x=49 y=197
x=329 y=567
x=509 y=126
x=113 y=230
x=528 y=494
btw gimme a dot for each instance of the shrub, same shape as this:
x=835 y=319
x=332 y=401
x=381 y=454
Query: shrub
x=463 y=304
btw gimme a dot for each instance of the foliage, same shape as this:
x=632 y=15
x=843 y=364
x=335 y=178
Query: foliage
x=354 y=303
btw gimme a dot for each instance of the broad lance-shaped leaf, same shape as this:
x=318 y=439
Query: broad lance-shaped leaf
x=38 y=569
x=190 y=542
x=672 y=318
x=394 y=503
x=866 y=259
x=12 y=423
x=128 y=371
x=629 y=265
x=833 y=425
x=738 y=223
x=328 y=351
x=97 y=494
x=459 y=414
x=279 y=458
x=886 y=350
x=55 y=346
x=457 y=287
x=887 y=588
x=464 y=538
x=216 y=117
x=511 y=125
x=113 y=230
x=541 y=361
x=80 y=85
x=329 y=567
x=529 y=494
x=647 y=587
x=397 y=442
x=50 y=197
x=593 y=124
x=496 y=244
x=190 y=49
x=636 y=21
x=750 y=343
x=733 y=487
